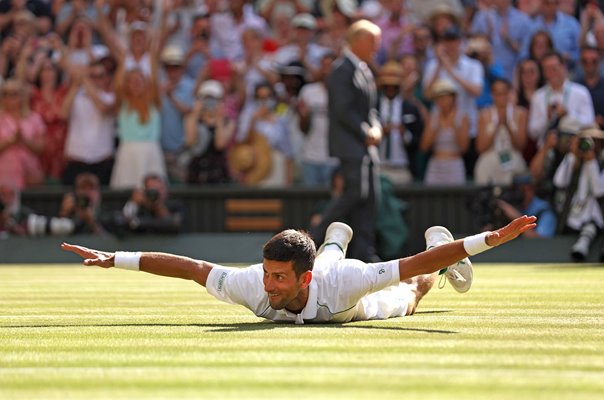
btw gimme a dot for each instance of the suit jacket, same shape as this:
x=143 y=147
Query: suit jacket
x=352 y=95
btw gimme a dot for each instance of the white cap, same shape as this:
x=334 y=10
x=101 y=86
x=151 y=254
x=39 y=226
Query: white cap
x=211 y=88
x=173 y=55
x=304 y=20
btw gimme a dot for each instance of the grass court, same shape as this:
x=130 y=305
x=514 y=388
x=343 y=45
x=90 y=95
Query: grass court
x=521 y=332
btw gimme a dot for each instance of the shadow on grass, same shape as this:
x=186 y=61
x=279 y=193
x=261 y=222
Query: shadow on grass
x=242 y=327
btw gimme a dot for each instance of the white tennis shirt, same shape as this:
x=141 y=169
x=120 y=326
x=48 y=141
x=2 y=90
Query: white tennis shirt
x=340 y=291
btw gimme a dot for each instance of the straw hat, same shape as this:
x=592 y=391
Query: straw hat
x=391 y=74
x=442 y=87
x=251 y=160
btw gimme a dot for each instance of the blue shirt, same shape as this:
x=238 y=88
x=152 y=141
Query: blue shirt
x=172 y=121
x=546 y=218
x=519 y=24
x=492 y=72
x=565 y=32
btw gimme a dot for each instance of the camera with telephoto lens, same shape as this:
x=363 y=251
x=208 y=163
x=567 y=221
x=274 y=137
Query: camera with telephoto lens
x=82 y=201
x=152 y=195
x=485 y=208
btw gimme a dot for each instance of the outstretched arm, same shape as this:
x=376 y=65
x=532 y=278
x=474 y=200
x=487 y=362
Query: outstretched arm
x=163 y=264
x=439 y=257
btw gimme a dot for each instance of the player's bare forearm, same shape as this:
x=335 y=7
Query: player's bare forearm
x=163 y=264
x=440 y=257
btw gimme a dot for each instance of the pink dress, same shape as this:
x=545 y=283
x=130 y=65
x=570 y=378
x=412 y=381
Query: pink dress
x=19 y=166
x=52 y=158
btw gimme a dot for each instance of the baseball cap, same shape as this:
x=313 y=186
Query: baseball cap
x=211 y=88
x=305 y=21
x=172 y=55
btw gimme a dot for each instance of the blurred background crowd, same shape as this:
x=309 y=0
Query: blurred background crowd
x=145 y=95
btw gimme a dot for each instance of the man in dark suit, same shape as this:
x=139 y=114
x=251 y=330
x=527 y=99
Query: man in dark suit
x=354 y=133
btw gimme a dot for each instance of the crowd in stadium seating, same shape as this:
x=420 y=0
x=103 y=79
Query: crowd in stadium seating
x=204 y=92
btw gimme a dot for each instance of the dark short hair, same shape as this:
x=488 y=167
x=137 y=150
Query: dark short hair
x=554 y=54
x=292 y=245
x=504 y=81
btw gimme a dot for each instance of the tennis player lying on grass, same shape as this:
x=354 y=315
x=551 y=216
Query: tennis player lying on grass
x=286 y=287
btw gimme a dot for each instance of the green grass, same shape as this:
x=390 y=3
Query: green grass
x=522 y=332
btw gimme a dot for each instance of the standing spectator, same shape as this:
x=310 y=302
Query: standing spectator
x=396 y=31
x=501 y=138
x=559 y=97
x=88 y=107
x=446 y=136
x=47 y=97
x=317 y=166
x=337 y=17
x=199 y=51
x=260 y=117
x=411 y=86
x=256 y=67
x=228 y=26
x=302 y=48
x=422 y=45
x=564 y=30
x=402 y=127
x=541 y=43
x=529 y=7
x=528 y=80
x=176 y=103
x=592 y=79
x=139 y=127
x=354 y=134
x=208 y=134
x=506 y=27
x=21 y=138
x=479 y=49
x=466 y=74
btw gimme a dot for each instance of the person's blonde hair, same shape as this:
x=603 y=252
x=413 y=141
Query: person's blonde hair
x=362 y=26
x=23 y=94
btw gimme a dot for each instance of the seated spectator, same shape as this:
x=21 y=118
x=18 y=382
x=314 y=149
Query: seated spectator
x=22 y=134
x=580 y=177
x=139 y=152
x=151 y=210
x=260 y=116
x=528 y=80
x=88 y=108
x=446 y=136
x=501 y=138
x=208 y=134
x=402 y=126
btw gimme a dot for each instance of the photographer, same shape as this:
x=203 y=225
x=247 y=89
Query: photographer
x=149 y=210
x=526 y=202
x=82 y=206
x=580 y=178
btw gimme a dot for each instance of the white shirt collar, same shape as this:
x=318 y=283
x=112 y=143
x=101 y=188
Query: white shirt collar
x=310 y=309
x=352 y=57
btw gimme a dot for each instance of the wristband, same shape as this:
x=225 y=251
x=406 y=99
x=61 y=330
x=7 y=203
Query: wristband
x=127 y=260
x=476 y=244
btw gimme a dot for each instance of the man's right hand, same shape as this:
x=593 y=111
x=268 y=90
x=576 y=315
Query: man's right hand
x=91 y=257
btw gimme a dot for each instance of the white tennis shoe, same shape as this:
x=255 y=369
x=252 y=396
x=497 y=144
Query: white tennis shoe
x=459 y=275
x=337 y=233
